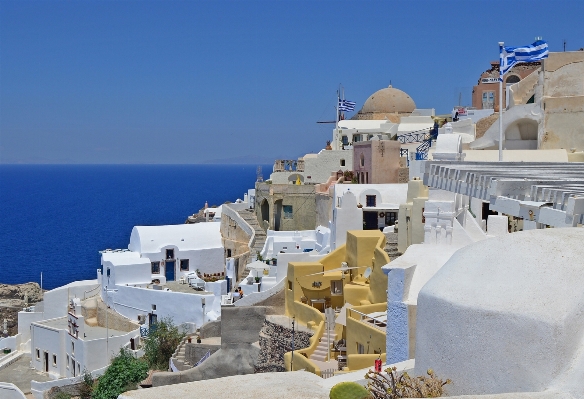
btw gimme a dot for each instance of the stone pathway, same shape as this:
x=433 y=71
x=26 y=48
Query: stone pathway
x=20 y=374
x=260 y=235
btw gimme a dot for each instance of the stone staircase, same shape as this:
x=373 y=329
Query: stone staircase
x=391 y=246
x=260 y=235
x=322 y=350
x=178 y=357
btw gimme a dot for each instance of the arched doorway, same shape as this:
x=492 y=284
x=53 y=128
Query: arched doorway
x=265 y=211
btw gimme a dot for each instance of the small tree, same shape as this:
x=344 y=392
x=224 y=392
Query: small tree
x=161 y=343
x=122 y=375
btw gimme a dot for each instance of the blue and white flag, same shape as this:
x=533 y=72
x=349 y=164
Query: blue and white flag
x=509 y=56
x=346 y=105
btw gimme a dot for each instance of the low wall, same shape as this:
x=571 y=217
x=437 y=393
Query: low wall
x=194 y=352
x=10 y=391
x=256 y=297
x=10 y=358
x=12 y=343
x=358 y=362
x=233 y=214
x=210 y=329
x=275 y=341
x=40 y=389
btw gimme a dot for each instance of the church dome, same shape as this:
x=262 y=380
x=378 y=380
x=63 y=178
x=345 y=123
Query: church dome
x=388 y=100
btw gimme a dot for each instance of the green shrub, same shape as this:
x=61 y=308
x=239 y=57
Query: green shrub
x=122 y=375
x=348 y=390
x=161 y=344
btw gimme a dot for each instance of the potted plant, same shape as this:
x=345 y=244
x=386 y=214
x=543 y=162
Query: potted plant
x=198 y=339
x=257 y=279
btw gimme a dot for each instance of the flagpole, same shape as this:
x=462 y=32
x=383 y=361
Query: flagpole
x=336 y=147
x=501 y=101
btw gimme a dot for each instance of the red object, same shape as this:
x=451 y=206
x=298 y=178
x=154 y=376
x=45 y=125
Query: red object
x=378 y=365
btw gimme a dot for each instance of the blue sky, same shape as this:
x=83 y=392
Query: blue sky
x=196 y=81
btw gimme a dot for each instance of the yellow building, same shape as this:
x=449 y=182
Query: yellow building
x=350 y=281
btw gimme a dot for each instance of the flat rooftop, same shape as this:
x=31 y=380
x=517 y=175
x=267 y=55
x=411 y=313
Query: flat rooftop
x=91 y=333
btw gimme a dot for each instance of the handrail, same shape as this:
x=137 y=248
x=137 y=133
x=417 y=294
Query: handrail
x=375 y=319
x=88 y=291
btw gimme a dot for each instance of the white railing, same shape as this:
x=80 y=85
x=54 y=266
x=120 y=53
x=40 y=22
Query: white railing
x=375 y=321
x=327 y=373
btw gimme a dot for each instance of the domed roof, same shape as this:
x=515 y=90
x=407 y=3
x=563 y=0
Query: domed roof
x=389 y=100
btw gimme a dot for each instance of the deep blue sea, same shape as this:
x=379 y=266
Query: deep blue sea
x=55 y=218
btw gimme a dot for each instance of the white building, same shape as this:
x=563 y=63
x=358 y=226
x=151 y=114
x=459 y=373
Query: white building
x=364 y=207
x=65 y=347
x=281 y=247
x=176 y=250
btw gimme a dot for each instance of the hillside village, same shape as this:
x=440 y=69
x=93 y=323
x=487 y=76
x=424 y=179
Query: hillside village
x=406 y=241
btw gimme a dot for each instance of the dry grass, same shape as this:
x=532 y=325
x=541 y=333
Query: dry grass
x=394 y=386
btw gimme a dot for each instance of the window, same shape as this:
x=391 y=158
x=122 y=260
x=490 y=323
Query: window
x=488 y=99
x=170 y=254
x=288 y=212
x=155 y=267
x=342 y=162
x=336 y=287
x=371 y=200
x=345 y=140
x=228 y=253
x=72 y=348
x=512 y=79
x=362 y=160
x=38 y=354
x=54 y=360
x=360 y=348
x=78 y=368
x=390 y=218
x=184 y=265
x=356 y=138
x=67 y=362
x=289 y=287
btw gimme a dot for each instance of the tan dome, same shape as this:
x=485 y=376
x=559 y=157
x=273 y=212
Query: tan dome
x=389 y=100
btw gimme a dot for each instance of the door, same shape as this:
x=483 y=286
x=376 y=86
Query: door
x=46 y=362
x=370 y=220
x=152 y=319
x=169 y=270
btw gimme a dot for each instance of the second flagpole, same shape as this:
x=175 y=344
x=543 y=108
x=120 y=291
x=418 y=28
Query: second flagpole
x=501 y=101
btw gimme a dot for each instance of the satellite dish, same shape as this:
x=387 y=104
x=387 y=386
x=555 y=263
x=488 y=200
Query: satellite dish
x=367 y=272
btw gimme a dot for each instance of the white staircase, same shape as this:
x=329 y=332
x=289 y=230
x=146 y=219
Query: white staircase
x=322 y=350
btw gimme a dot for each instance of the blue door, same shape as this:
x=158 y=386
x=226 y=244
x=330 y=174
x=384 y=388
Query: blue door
x=169 y=270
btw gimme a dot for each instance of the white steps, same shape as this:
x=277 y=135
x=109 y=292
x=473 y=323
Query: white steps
x=322 y=350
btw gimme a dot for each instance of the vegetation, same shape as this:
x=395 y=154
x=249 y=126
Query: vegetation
x=349 y=390
x=62 y=395
x=122 y=375
x=395 y=386
x=87 y=385
x=161 y=344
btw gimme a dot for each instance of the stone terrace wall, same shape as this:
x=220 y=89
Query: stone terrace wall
x=275 y=340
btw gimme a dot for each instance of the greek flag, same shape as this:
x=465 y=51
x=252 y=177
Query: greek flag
x=346 y=105
x=509 y=56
